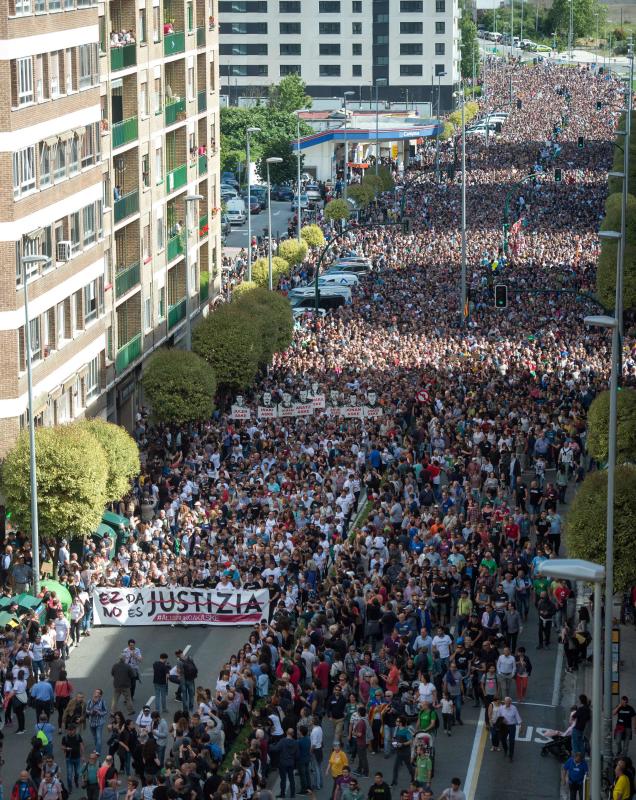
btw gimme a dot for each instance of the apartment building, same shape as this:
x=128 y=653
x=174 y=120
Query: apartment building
x=111 y=122
x=411 y=47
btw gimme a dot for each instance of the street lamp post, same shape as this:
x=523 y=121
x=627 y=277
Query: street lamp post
x=439 y=89
x=575 y=569
x=512 y=26
x=462 y=299
x=379 y=82
x=270 y=278
x=249 y=205
x=571 y=33
x=298 y=169
x=190 y=199
x=35 y=532
x=346 y=144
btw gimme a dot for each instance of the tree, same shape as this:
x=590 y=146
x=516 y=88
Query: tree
x=374 y=184
x=260 y=271
x=469 y=43
x=361 y=194
x=448 y=132
x=122 y=455
x=598 y=427
x=243 y=288
x=586 y=520
x=72 y=472
x=229 y=341
x=384 y=173
x=312 y=235
x=337 y=210
x=180 y=386
x=583 y=17
x=285 y=172
x=289 y=95
x=271 y=306
x=293 y=251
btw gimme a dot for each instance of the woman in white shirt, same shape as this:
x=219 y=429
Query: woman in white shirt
x=204 y=699
x=19 y=699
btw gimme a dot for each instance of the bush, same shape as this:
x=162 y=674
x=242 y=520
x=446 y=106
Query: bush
x=598 y=426
x=337 y=210
x=293 y=251
x=384 y=173
x=606 y=275
x=586 y=520
x=243 y=288
x=373 y=183
x=272 y=306
x=313 y=235
x=180 y=386
x=361 y=194
x=260 y=271
x=72 y=473
x=229 y=341
x=121 y=452
x=448 y=132
x=612 y=219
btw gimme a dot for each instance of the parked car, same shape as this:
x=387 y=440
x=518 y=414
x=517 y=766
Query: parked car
x=226 y=225
x=280 y=192
x=255 y=203
x=542 y=48
x=304 y=202
x=230 y=179
x=314 y=195
x=260 y=192
x=236 y=217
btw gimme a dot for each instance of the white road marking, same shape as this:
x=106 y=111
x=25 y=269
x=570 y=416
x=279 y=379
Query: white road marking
x=150 y=700
x=476 y=756
x=186 y=649
x=558 y=669
x=540 y=705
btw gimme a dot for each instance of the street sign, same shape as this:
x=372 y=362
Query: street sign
x=422 y=396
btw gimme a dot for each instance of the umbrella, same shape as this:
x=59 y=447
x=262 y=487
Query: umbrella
x=60 y=590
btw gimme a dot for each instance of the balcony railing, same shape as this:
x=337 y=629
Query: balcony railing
x=176 y=313
x=203 y=164
x=128 y=353
x=174 y=43
x=201 y=37
x=177 y=178
x=124 y=132
x=203 y=226
x=172 y=110
x=126 y=279
x=202 y=101
x=175 y=247
x=127 y=205
x=122 y=57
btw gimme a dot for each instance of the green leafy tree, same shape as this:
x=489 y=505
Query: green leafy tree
x=293 y=251
x=72 y=475
x=260 y=271
x=312 y=235
x=374 y=184
x=180 y=386
x=275 y=308
x=583 y=17
x=598 y=427
x=469 y=43
x=229 y=341
x=337 y=210
x=384 y=173
x=243 y=288
x=289 y=95
x=285 y=172
x=606 y=268
x=448 y=132
x=585 y=526
x=121 y=452
x=363 y=195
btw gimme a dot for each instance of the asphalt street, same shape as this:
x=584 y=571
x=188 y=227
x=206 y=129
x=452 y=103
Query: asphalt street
x=281 y=213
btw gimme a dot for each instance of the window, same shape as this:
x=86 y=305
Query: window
x=411 y=6
x=290 y=28
x=329 y=49
x=40 y=6
x=145 y=170
x=55 y=5
x=54 y=73
x=329 y=70
x=159 y=164
x=289 y=7
x=410 y=49
x=440 y=28
x=36 y=344
x=162 y=302
x=88 y=61
x=73 y=156
x=440 y=69
x=356 y=49
x=329 y=6
x=411 y=27
x=380 y=17
x=356 y=28
x=69 y=78
x=440 y=48
x=287 y=49
x=90 y=143
x=90 y=301
x=243 y=70
x=145 y=243
x=380 y=39
x=440 y=6
x=190 y=16
x=45 y=164
x=289 y=69
x=22 y=7
x=410 y=70
x=41 y=87
x=60 y=327
x=160 y=230
x=190 y=79
x=142 y=30
x=156 y=24
x=143 y=99
x=243 y=7
x=88 y=219
x=75 y=232
x=24 y=68
x=48 y=331
x=243 y=49
x=356 y=7
x=356 y=71
x=23 y=171
x=91 y=381
x=156 y=101
x=147 y=313
x=329 y=28
x=381 y=61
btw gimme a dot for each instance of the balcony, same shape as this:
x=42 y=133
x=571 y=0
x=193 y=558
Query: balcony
x=204 y=286
x=177 y=178
x=126 y=279
x=203 y=226
x=175 y=247
x=174 y=43
x=123 y=57
x=124 y=132
x=128 y=353
x=201 y=37
x=202 y=102
x=176 y=313
x=126 y=205
x=173 y=109
x=203 y=165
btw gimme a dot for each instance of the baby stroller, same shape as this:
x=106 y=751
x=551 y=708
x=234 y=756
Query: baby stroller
x=426 y=741
x=560 y=746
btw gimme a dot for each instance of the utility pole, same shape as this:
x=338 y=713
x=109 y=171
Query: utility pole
x=346 y=147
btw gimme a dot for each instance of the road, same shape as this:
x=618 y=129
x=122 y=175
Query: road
x=89 y=667
x=281 y=213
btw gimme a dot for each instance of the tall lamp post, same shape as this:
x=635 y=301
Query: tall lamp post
x=297 y=113
x=462 y=299
x=439 y=88
x=346 y=144
x=249 y=204
x=512 y=25
x=575 y=569
x=571 y=32
x=379 y=82
x=272 y=160
x=190 y=200
x=35 y=531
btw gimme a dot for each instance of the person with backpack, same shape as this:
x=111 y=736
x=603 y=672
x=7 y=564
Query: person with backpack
x=96 y=713
x=88 y=777
x=44 y=731
x=24 y=788
x=188 y=672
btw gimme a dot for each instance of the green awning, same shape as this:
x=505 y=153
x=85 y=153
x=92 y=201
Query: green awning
x=115 y=520
x=8 y=619
x=103 y=531
x=28 y=602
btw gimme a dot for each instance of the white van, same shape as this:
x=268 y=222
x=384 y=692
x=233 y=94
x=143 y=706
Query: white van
x=338 y=279
x=303 y=292
x=235 y=210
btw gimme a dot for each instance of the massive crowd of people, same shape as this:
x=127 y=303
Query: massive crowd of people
x=377 y=633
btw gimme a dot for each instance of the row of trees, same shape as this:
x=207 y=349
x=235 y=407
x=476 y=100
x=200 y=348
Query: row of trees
x=80 y=468
x=453 y=123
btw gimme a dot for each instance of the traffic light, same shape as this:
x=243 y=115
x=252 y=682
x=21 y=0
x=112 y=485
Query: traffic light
x=519 y=105
x=501 y=295
x=581 y=143
x=557 y=175
x=599 y=105
x=406 y=225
